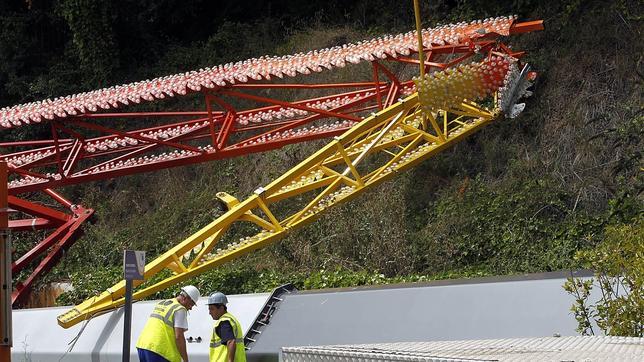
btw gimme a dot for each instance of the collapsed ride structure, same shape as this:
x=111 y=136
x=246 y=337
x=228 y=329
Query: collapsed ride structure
x=377 y=134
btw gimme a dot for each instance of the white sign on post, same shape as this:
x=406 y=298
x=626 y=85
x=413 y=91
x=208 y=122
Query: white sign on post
x=134 y=264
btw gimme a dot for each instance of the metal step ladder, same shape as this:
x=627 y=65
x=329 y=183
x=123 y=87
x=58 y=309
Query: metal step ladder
x=264 y=316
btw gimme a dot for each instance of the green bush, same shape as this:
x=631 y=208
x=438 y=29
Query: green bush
x=522 y=226
x=619 y=275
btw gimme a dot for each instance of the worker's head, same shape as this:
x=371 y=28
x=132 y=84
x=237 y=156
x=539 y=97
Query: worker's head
x=189 y=296
x=217 y=304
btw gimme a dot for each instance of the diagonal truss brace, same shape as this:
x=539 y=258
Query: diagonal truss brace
x=66 y=230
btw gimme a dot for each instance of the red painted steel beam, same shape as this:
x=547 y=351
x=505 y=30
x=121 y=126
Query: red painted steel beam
x=72 y=158
x=29 y=143
x=53 y=182
x=297 y=123
x=144 y=114
x=391 y=95
x=140 y=149
x=484 y=46
x=37 y=210
x=59 y=162
x=21 y=171
x=65 y=232
x=303 y=86
x=132 y=152
x=30 y=224
x=5 y=307
x=287 y=104
x=55 y=236
x=44 y=217
x=222 y=136
x=388 y=73
x=183 y=161
x=376 y=80
x=42 y=246
x=417 y=62
x=58 y=197
x=132 y=135
x=65 y=147
x=526 y=27
x=60 y=240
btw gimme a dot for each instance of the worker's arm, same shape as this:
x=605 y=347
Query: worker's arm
x=180 y=340
x=232 y=346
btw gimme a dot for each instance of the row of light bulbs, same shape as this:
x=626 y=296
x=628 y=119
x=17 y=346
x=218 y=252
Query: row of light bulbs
x=287 y=112
x=165 y=133
x=329 y=200
x=165 y=156
x=474 y=81
x=240 y=72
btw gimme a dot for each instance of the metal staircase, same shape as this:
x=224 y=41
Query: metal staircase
x=264 y=316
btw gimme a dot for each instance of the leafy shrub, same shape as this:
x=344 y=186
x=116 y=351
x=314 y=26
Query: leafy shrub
x=522 y=226
x=619 y=274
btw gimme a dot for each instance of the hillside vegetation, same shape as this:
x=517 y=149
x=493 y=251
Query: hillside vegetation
x=523 y=195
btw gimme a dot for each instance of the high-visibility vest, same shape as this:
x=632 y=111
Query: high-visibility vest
x=158 y=333
x=219 y=352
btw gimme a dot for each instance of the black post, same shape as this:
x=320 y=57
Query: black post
x=133 y=269
x=127 y=322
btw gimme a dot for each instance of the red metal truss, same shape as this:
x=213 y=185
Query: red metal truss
x=82 y=149
x=263 y=68
x=91 y=139
x=65 y=231
x=212 y=136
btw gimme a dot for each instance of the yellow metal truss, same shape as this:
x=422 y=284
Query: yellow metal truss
x=373 y=151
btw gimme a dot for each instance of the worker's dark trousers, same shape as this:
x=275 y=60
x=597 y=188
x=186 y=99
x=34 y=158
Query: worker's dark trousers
x=149 y=356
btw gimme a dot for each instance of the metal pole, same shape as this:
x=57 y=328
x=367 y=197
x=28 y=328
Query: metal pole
x=420 y=39
x=5 y=269
x=127 y=322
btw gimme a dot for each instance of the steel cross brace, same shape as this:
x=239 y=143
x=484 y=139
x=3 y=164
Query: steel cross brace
x=66 y=230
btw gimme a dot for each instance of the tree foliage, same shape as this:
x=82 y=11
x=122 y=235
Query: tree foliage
x=91 y=25
x=619 y=275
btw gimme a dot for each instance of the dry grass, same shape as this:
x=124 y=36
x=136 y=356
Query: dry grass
x=591 y=88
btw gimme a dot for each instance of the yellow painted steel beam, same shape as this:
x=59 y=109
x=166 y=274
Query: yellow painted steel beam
x=373 y=151
x=419 y=34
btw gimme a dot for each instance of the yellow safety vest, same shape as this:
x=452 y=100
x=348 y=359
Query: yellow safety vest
x=158 y=333
x=219 y=352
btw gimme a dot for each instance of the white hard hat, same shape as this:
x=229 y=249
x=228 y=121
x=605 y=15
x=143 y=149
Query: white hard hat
x=217 y=298
x=192 y=292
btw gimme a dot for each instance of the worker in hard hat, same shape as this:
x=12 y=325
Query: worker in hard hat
x=163 y=338
x=227 y=342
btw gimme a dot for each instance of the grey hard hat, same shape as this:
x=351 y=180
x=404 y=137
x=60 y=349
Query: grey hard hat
x=217 y=298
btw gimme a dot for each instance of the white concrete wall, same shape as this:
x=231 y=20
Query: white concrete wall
x=38 y=338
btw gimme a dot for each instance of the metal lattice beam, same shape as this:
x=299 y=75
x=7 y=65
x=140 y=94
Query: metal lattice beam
x=373 y=151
